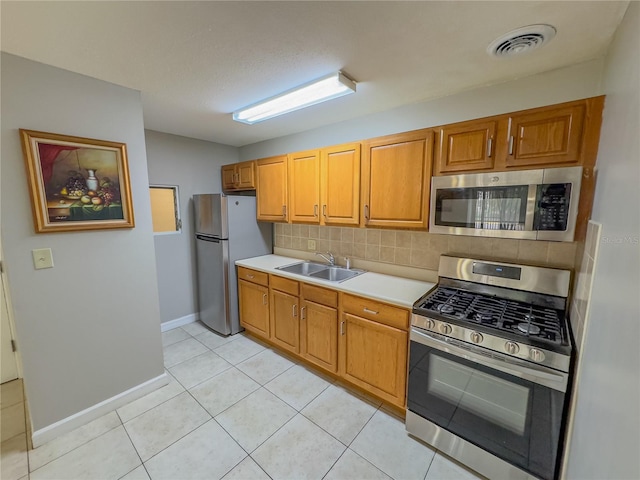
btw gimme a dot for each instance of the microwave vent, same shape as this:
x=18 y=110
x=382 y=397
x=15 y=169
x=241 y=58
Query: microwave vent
x=521 y=40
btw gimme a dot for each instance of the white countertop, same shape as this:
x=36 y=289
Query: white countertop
x=402 y=292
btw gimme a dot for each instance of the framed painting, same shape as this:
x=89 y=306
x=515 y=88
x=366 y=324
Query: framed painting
x=77 y=183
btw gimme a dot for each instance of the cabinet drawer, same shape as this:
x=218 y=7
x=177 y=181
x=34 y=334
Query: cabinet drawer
x=284 y=284
x=320 y=295
x=376 y=311
x=253 y=276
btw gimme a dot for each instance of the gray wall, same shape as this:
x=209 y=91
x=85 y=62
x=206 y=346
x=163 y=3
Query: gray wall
x=194 y=166
x=88 y=329
x=562 y=85
x=606 y=438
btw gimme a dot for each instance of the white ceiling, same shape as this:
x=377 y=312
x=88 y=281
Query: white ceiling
x=196 y=62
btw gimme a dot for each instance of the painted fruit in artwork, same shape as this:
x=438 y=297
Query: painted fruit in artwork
x=85 y=199
x=96 y=200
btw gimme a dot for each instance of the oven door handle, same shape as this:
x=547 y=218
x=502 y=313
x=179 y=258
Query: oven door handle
x=548 y=378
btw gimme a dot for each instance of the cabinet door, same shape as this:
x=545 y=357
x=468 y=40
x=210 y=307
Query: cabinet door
x=304 y=186
x=319 y=335
x=374 y=356
x=254 y=307
x=271 y=190
x=546 y=136
x=340 y=185
x=228 y=177
x=246 y=176
x=285 y=326
x=396 y=180
x=466 y=147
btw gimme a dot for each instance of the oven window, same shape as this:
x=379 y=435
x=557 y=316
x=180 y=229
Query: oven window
x=498 y=401
x=496 y=208
x=515 y=419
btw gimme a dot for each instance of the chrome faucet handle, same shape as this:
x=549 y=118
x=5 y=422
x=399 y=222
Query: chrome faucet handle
x=348 y=260
x=330 y=258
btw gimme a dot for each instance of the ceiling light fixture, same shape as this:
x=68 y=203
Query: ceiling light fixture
x=320 y=90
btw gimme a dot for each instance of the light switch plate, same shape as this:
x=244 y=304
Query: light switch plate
x=311 y=244
x=42 y=258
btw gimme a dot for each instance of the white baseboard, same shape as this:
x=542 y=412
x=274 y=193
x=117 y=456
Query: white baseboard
x=178 y=322
x=83 y=417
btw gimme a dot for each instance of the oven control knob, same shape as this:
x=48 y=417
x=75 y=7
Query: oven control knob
x=511 y=347
x=445 y=328
x=476 y=337
x=429 y=323
x=536 y=355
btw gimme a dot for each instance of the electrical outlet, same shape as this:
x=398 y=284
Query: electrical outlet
x=311 y=244
x=42 y=258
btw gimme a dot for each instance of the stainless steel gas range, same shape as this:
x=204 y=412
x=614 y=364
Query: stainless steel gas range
x=489 y=367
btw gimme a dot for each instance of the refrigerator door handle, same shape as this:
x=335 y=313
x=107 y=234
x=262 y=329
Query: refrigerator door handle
x=208 y=239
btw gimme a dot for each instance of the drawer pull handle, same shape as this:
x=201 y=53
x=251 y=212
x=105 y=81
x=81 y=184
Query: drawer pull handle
x=511 y=145
x=324 y=210
x=315 y=210
x=284 y=211
x=341 y=328
x=294 y=310
x=249 y=276
x=372 y=312
x=302 y=313
x=489 y=145
x=264 y=298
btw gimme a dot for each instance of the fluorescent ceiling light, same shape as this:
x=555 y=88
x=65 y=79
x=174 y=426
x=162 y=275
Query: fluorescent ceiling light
x=325 y=88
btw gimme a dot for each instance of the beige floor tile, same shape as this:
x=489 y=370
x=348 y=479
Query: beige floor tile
x=299 y=450
x=444 y=469
x=246 y=470
x=11 y=393
x=297 y=386
x=385 y=443
x=207 y=453
x=138 y=473
x=198 y=369
x=239 y=350
x=181 y=351
x=213 y=340
x=174 y=336
x=65 y=443
x=353 y=466
x=195 y=328
x=255 y=418
x=12 y=421
x=153 y=399
x=14 y=462
x=340 y=413
x=265 y=366
x=220 y=392
x=158 y=428
x=109 y=456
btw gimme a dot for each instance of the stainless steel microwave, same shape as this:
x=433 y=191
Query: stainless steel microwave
x=526 y=204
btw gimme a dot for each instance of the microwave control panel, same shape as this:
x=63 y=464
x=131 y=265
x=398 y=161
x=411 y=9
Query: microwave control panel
x=552 y=207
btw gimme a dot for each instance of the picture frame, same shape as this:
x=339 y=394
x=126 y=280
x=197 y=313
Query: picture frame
x=77 y=183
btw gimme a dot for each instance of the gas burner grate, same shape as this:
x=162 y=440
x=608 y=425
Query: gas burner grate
x=521 y=318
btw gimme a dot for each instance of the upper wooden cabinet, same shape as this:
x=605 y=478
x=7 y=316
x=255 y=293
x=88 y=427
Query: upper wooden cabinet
x=545 y=136
x=396 y=178
x=561 y=135
x=271 y=189
x=304 y=186
x=340 y=184
x=324 y=186
x=239 y=176
x=466 y=146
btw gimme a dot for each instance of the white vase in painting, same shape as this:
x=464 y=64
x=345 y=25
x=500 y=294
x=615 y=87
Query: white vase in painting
x=92 y=181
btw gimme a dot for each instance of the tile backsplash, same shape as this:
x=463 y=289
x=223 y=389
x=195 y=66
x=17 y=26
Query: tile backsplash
x=419 y=249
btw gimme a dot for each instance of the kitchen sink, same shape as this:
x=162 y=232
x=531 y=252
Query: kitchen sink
x=322 y=271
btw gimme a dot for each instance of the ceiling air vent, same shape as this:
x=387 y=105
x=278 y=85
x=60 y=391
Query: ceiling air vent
x=521 y=40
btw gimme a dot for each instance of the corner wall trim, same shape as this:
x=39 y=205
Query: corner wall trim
x=178 y=322
x=83 y=417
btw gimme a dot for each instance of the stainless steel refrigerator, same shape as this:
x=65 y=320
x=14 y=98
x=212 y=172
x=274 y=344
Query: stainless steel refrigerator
x=226 y=231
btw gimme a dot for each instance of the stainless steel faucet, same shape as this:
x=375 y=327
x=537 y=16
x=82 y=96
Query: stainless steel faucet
x=328 y=257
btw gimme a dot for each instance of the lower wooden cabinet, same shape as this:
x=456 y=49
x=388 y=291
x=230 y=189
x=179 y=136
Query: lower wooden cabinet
x=319 y=335
x=360 y=340
x=254 y=307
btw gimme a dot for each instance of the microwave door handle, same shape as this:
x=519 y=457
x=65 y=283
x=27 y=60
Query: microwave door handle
x=503 y=363
x=531 y=207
